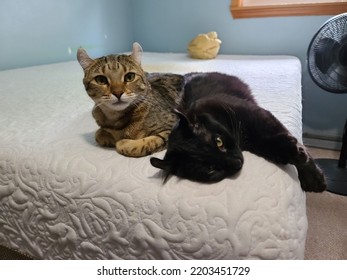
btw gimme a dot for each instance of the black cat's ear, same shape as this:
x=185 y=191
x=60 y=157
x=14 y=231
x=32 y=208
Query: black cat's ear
x=137 y=52
x=83 y=58
x=163 y=165
x=182 y=117
x=160 y=163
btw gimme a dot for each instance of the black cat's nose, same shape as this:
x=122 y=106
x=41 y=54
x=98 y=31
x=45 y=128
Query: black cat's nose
x=118 y=94
x=238 y=163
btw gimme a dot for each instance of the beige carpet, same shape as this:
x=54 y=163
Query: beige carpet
x=327 y=221
x=327 y=226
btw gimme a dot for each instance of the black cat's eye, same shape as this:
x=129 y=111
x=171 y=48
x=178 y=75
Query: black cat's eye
x=101 y=80
x=219 y=143
x=129 y=77
x=211 y=170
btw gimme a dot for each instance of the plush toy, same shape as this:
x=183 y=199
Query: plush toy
x=204 y=46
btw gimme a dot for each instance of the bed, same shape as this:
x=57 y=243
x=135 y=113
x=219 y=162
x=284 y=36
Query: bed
x=64 y=197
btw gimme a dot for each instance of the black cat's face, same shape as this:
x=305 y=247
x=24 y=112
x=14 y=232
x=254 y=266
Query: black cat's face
x=201 y=149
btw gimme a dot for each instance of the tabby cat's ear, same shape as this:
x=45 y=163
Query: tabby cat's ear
x=83 y=58
x=137 y=52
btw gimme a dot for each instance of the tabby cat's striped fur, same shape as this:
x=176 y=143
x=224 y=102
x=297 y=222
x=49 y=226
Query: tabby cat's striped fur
x=134 y=109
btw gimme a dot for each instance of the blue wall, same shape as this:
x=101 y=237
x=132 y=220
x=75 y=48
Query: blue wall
x=170 y=25
x=44 y=31
x=36 y=32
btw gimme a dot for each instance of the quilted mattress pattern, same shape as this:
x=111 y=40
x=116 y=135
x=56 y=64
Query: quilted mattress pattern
x=63 y=197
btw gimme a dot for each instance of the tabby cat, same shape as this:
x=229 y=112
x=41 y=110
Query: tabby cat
x=218 y=119
x=134 y=109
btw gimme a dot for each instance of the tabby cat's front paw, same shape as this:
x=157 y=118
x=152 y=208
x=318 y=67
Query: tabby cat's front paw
x=104 y=138
x=140 y=147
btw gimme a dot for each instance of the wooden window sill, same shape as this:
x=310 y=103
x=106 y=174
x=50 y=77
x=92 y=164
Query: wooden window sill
x=240 y=11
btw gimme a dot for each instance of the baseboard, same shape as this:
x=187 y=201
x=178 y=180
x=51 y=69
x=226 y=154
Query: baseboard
x=331 y=144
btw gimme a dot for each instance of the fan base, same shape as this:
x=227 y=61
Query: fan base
x=336 y=176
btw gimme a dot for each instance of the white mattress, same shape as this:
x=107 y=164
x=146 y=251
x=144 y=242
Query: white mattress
x=63 y=197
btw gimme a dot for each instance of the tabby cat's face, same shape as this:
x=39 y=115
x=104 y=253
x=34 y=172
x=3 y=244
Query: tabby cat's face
x=202 y=150
x=114 y=81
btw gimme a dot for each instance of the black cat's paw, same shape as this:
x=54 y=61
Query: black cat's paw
x=296 y=152
x=302 y=155
x=312 y=178
x=287 y=150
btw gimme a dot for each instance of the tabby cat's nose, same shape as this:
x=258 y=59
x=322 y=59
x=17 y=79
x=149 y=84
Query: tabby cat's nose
x=118 y=94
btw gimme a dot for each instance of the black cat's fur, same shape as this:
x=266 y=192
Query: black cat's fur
x=218 y=119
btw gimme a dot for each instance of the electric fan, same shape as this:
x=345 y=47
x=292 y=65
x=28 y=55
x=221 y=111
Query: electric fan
x=327 y=65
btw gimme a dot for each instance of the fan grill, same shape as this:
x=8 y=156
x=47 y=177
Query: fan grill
x=327 y=55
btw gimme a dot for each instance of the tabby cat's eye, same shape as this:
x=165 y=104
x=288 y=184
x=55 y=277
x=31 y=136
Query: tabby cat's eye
x=101 y=80
x=219 y=143
x=129 y=77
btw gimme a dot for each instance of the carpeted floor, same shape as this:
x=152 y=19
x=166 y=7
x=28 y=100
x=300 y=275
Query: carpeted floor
x=8 y=254
x=327 y=221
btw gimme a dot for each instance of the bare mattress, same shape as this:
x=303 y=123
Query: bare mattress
x=64 y=197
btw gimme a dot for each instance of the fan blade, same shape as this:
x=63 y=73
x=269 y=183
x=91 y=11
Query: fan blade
x=342 y=52
x=324 y=53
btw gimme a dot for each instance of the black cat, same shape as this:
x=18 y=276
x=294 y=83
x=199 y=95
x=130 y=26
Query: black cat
x=218 y=119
